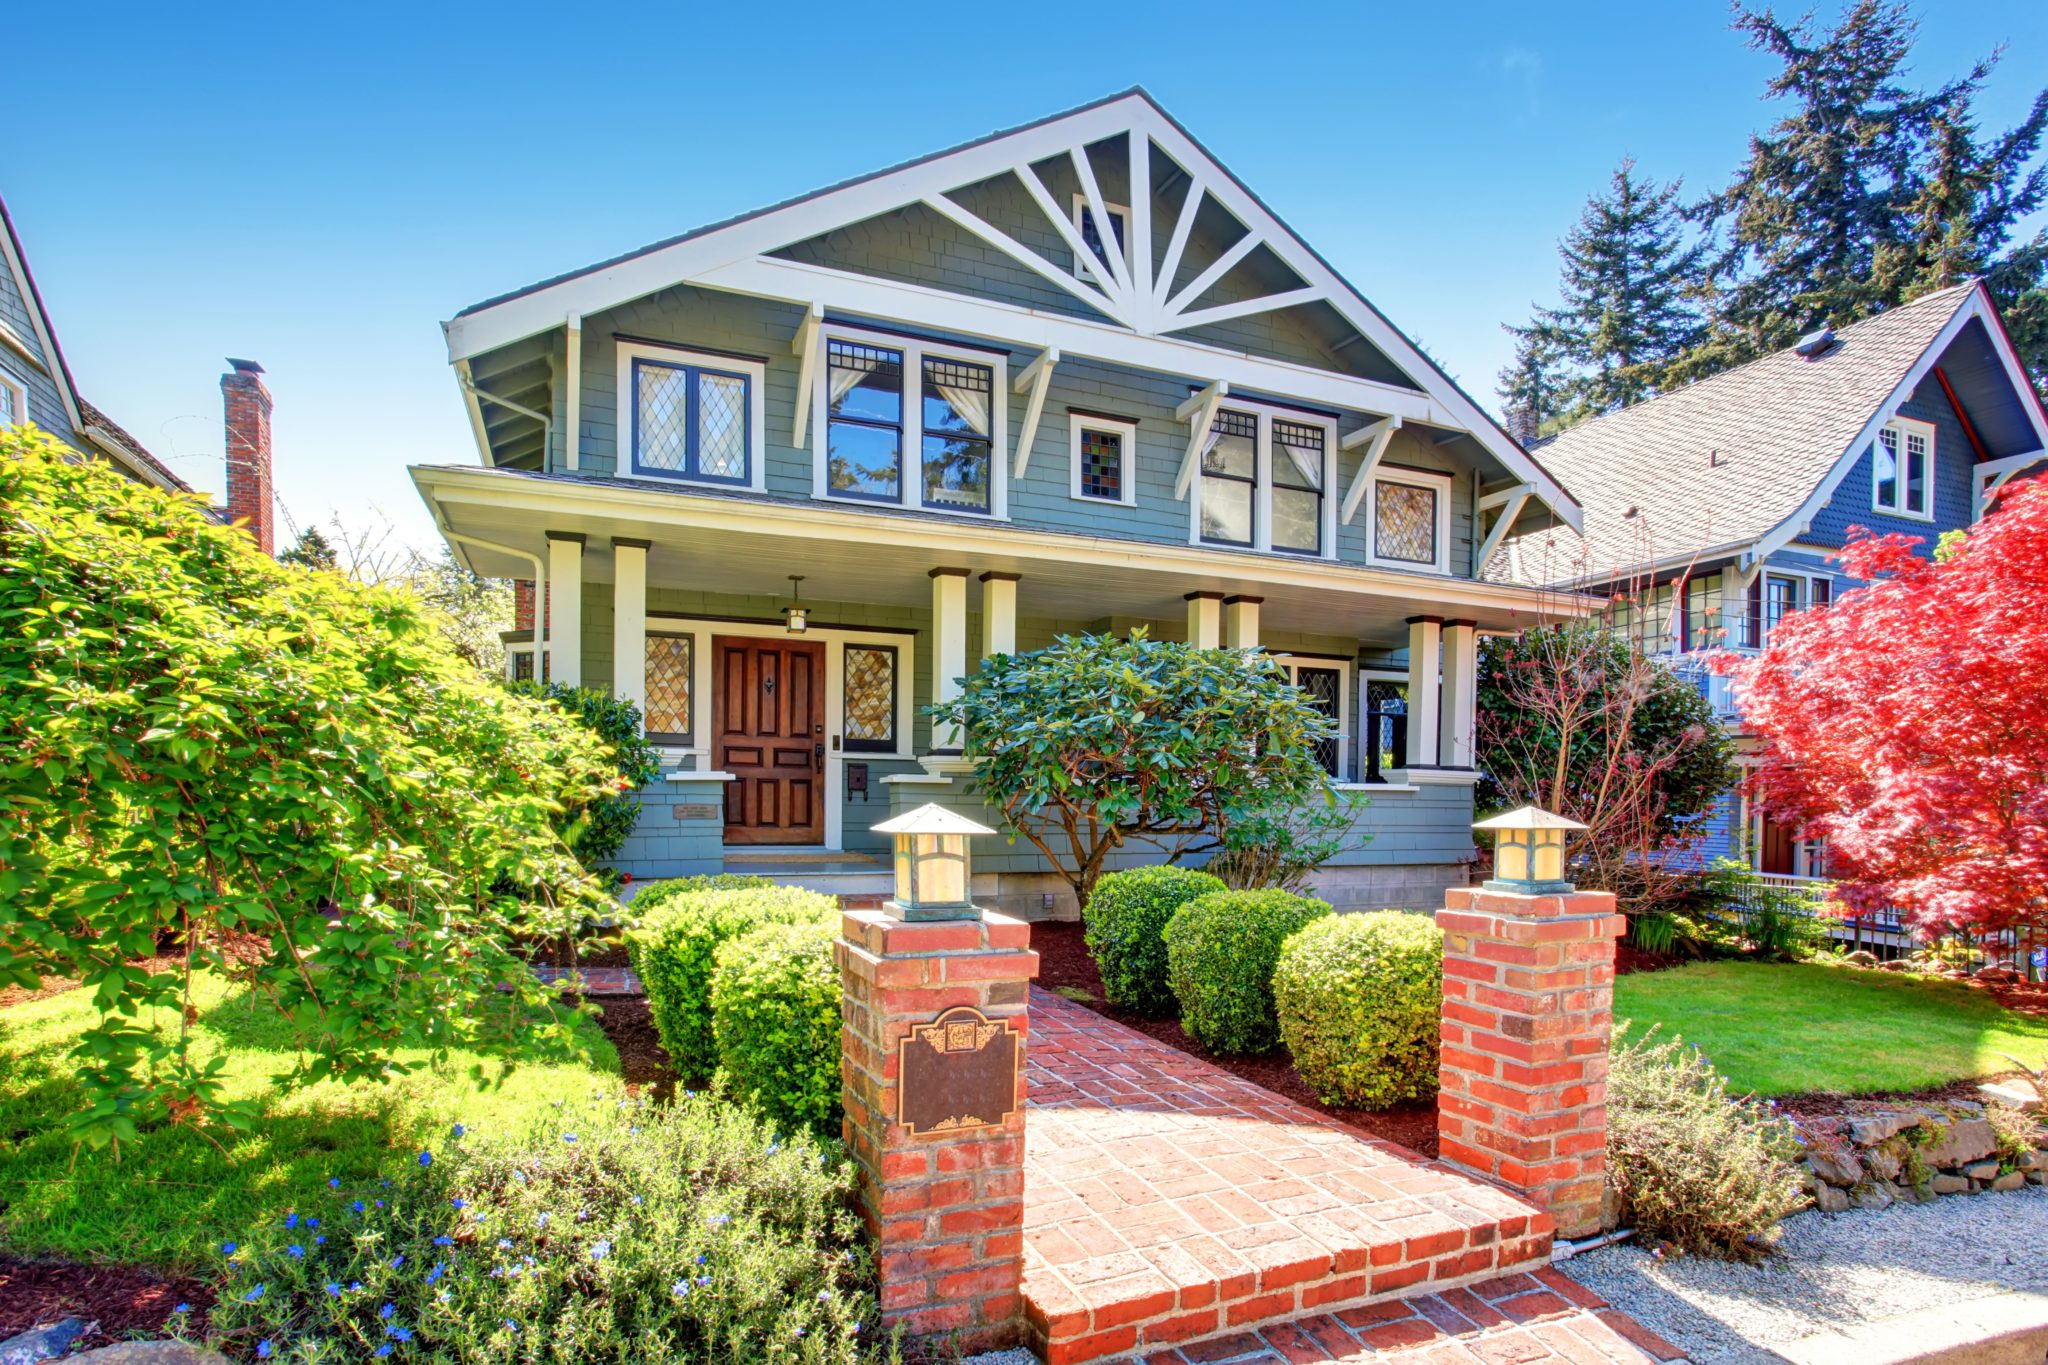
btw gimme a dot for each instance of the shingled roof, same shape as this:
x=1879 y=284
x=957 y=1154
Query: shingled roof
x=1723 y=462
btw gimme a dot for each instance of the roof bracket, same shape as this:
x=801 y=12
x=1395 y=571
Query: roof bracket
x=1036 y=377
x=1374 y=436
x=1199 y=412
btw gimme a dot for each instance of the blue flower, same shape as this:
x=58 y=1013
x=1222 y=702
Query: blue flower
x=380 y=1203
x=397 y=1261
x=435 y=1274
x=334 y=1184
x=700 y=1258
x=681 y=1289
x=388 y=1311
x=568 y=1137
x=541 y=1221
x=511 y=1326
x=182 y=1308
x=254 y=1294
x=357 y=1205
x=383 y=1350
x=824 y=1295
x=636 y=1201
x=402 y=1333
x=291 y=1220
x=295 y=1251
x=719 y=1220
x=426 y=1158
x=321 y=1240
x=443 y=1295
x=504 y=1244
x=333 y=1289
x=600 y=1251
x=703 y=1280
x=263 y=1349
x=456 y=1204
x=312 y=1222
x=458 y=1130
x=355 y=1286
x=444 y=1240
x=227 y=1248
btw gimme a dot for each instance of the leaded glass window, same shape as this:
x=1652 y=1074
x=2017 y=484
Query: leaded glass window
x=1386 y=726
x=864 y=431
x=1405 y=522
x=522 y=664
x=869 y=723
x=1325 y=689
x=691 y=421
x=957 y=411
x=1091 y=236
x=1102 y=464
x=670 y=681
x=1230 y=463
x=1297 y=487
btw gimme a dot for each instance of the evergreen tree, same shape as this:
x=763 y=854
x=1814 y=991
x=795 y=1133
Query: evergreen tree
x=1532 y=390
x=312 y=550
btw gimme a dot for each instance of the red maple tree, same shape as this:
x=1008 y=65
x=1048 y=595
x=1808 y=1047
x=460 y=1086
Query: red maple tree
x=1907 y=724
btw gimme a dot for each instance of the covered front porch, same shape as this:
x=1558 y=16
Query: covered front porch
x=786 y=735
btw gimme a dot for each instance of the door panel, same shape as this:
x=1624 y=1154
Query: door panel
x=1778 y=852
x=769 y=725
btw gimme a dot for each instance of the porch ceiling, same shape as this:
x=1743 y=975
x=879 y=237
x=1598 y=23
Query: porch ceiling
x=750 y=546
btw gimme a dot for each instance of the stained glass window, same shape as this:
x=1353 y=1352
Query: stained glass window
x=690 y=422
x=1404 y=522
x=669 y=683
x=1101 y=452
x=869 y=724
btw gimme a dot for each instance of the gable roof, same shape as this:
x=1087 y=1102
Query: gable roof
x=734 y=254
x=1745 y=457
x=88 y=423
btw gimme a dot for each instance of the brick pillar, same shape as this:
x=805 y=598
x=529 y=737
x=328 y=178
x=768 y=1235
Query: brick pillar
x=1528 y=1015
x=946 y=1208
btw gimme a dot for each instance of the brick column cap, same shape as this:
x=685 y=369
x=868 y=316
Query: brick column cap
x=1512 y=904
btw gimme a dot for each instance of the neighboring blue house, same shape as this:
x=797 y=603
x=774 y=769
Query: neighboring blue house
x=1711 y=512
x=787 y=477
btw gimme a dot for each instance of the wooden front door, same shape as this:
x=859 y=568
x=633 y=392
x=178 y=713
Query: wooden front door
x=1780 y=854
x=768 y=716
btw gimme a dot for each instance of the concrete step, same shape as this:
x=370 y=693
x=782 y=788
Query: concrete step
x=2002 y=1329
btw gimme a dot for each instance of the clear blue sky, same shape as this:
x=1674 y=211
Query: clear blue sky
x=320 y=194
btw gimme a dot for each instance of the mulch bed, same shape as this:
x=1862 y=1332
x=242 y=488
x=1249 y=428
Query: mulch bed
x=1063 y=960
x=630 y=1027
x=126 y=1300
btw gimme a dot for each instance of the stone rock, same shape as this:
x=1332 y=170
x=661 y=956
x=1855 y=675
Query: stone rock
x=1862 y=957
x=1962 y=1142
x=1998 y=976
x=1883 y=1162
x=1828 y=1199
x=2011 y=1180
x=1923 y=1193
x=43 y=1343
x=1895 y=965
x=1875 y=1197
x=149 y=1353
x=1836 y=1166
x=2038 y=1177
x=2033 y=1161
x=1872 y=1129
x=2013 y=1095
x=1949 y=1184
x=1981 y=1170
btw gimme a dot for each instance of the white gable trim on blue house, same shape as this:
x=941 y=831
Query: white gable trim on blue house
x=1976 y=307
x=1141 y=309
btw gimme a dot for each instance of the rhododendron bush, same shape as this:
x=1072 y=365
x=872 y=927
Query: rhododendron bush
x=1907 y=724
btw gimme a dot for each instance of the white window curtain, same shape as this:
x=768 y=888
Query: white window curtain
x=847 y=372
x=971 y=405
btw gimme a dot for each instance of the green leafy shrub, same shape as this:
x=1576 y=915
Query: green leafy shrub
x=1689 y=1164
x=673 y=947
x=612 y=1231
x=598 y=829
x=1126 y=931
x=1360 y=998
x=1282 y=847
x=1654 y=931
x=197 y=741
x=653 y=895
x=1220 y=953
x=775 y=1015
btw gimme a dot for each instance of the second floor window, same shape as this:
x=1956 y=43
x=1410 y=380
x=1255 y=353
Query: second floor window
x=1297 y=487
x=1265 y=477
x=1902 y=469
x=1411 y=520
x=1230 y=478
x=864 y=447
x=914 y=424
x=13 y=403
x=695 y=417
x=957 y=401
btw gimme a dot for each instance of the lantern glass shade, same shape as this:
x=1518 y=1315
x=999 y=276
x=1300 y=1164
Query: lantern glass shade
x=1528 y=851
x=799 y=620
x=934 y=877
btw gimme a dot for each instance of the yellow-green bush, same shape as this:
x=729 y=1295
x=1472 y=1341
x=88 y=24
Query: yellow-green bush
x=775 y=1015
x=1220 y=953
x=1126 y=931
x=1360 y=998
x=673 y=946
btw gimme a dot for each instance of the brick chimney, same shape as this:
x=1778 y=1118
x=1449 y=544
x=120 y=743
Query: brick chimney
x=250 y=499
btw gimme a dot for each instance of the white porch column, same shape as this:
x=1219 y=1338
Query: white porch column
x=1461 y=693
x=629 y=621
x=1424 y=636
x=565 y=612
x=949 y=649
x=1205 y=619
x=1241 y=622
x=999 y=613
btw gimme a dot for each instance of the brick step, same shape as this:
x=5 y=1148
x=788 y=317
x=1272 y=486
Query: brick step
x=1528 y=1319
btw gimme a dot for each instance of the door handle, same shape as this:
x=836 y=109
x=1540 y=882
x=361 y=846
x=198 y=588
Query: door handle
x=818 y=756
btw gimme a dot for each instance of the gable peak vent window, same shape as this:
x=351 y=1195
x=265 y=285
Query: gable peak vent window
x=1902 y=469
x=1090 y=233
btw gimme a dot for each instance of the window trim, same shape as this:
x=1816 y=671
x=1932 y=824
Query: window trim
x=1127 y=480
x=910 y=482
x=1903 y=427
x=1347 y=685
x=1755 y=634
x=19 y=388
x=1077 y=207
x=627 y=466
x=1444 y=483
x=1262 y=481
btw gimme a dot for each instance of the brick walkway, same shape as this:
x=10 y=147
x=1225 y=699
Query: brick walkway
x=1167 y=1201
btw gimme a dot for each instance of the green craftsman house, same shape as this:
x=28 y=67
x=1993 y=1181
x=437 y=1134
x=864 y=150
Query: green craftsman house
x=784 y=479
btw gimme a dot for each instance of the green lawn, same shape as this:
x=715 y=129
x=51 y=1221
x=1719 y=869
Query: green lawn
x=1786 y=1029
x=175 y=1194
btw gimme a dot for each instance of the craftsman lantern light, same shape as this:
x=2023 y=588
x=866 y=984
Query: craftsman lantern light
x=1528 y=852
x=796 y=616
x=933 y=878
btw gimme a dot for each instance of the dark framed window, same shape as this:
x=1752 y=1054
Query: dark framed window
x=957 y=413
x=1386 y=727
x=1702 y=615
x=522 y=664
x=1091 y=234
x=1325 y=689
x=671 y=682
x=1781 y=598
x=864 y=426
x=1405 y=520
x=1298 y=467
x=1230 y=472
x=692 y=421
x=868 y=720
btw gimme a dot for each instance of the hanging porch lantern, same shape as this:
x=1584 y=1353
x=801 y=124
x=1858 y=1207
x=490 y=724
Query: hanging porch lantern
x=1528 y=852
x=934 y=880
x=796 y=616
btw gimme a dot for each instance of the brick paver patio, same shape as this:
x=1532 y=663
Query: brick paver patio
x=1167 y=1202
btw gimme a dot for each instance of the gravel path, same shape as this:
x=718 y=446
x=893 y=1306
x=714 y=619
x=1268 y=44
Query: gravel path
x=1833 y=1270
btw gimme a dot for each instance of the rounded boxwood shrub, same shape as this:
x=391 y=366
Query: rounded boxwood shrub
x=775 y=1015
x=1360 y=998
x=1220 y=953
x=673 y=943
x=656 y=894
x=1126 y=931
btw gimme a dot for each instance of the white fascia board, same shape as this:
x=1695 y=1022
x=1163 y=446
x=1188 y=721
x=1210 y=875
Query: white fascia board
x=53 y=359
x=695 y=258
x=445 y=486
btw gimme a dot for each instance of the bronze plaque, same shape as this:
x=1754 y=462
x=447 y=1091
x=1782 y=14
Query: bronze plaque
x=699 y=811
x=957 y=1072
